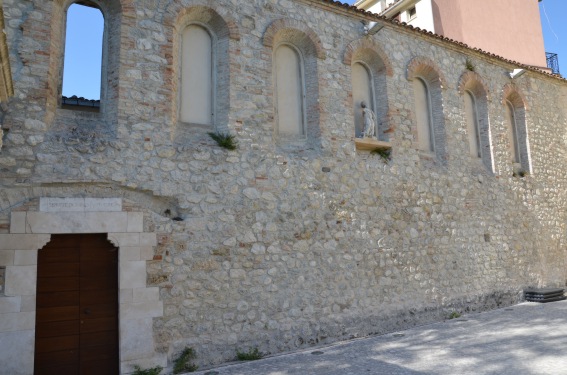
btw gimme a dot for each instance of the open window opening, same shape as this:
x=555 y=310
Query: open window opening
x=412 y=13
x=83 y=67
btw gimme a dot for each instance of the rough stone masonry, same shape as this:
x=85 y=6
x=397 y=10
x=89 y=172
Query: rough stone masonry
x=282 y=243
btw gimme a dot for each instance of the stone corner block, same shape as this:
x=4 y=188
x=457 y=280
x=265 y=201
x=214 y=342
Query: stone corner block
x=18 y=222
x=146 y=294
x=141 y=310
x=21 y=280
x=148 y=239
x=17 y=352
x=10 y=304
x=23 y=241
x=133 y=274
x=124 y=239
x=135 y=222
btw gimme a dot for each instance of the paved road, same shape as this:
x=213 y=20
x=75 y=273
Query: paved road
x=529 y=338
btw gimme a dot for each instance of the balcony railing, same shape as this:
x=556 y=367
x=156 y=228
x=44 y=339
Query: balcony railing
x=552 y=62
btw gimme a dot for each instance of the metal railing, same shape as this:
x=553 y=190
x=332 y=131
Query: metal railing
x=552 y=62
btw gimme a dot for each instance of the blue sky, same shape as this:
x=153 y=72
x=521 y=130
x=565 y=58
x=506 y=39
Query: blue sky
x=83 y=48
x=555 y=29
x=83 y=52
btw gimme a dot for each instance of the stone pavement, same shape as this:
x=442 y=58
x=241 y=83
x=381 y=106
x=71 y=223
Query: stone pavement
x=529 y=338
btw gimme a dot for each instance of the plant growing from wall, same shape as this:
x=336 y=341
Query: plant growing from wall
x=149 y=371
x=183 y=362
x=251 y=355
x=469 y=65
x=386 y=155
x=224 y=140
x=454 y=315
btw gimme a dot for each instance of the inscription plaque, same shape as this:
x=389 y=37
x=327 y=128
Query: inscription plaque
x=80 y=204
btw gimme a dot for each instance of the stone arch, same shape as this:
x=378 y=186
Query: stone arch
x=473 y=83
x=180 y=13
x=295 y=32
x=424 y=72
x=370 y=55
x=426 y=69
x=306 y=43
x=223 y=29
x=511 y=93
x=370 y=51
x=118 y=15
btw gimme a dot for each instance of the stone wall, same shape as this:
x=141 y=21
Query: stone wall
x=281 y=246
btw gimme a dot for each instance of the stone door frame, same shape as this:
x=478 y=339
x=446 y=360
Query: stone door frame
x=138 y=304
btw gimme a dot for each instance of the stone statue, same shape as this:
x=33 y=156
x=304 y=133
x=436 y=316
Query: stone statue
x=370 y=122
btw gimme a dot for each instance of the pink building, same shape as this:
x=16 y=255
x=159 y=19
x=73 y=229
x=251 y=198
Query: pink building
x=509 y=28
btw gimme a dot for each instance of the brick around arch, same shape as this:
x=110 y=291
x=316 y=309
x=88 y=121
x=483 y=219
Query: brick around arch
x=425 y=68
x=472 y=81
x=124 y=7
x=511 y=93
x=178 y=11
x=286 y=24
x=360 y=44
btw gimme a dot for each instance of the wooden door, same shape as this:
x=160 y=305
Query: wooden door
x=77 y=306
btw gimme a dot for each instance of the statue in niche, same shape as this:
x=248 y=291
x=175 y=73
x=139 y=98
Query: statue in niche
x=370 y=122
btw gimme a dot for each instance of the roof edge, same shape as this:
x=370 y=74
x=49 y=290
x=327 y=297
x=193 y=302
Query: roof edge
x=352 y=11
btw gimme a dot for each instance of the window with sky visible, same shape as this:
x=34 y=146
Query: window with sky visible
x=83 y=52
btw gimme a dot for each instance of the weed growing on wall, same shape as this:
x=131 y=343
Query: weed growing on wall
x=225 y=140
x=251 y=355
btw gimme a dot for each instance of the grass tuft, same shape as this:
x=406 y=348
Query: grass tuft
x=183 y=362
x=454 y=315
x=150 y=371
x=225 y=140
x=252 y=354
x=469 y=65
x=386 y=155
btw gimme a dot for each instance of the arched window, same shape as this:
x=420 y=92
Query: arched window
x=82 y=66
x=429 y=128
x=290 y=97
x=517 y=130
x=200 y=71
x=425 y=135
x=295 y=50
x=473 y=128
x=362 y=91
x=197 y=68
x=475 y=117
x=369 y=70
x=512 y=126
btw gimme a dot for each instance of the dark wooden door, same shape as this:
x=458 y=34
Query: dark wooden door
x=77 y=306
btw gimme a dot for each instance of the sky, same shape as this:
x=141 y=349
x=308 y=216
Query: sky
x=83 y=45
x=554 y=28
x=83 y=52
